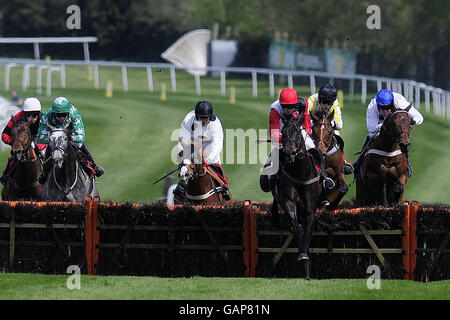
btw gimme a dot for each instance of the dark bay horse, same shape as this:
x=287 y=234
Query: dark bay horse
x=383 y=175
x=67 y=181
x=200 y=185
x=327 y=142
x=22 y=184
x=298 y=190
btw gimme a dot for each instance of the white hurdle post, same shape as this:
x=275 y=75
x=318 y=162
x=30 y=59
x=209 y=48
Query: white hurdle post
x=49 y=79
x=7 y=73
x=39 y=78
x=26 y=76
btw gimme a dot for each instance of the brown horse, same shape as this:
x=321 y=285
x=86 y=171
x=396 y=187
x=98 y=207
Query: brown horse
x=327 y=142
x=383 y=175
x=22 y=183
x=200 y=185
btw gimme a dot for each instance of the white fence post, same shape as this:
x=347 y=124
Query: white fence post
x=7 y=73
x=254 y=84
x=352 y=89
x=271 y=85
x=39 y=78
x=63 y=76
x=427 y=99
x=26 y=76
x=222 y=83
x=417 y=97
x=96 y=77
x=124 y=78
x=290 y=81
x=198 y=87
x=378 y=85
x=363 y=90
x=173 y=79
x=150 y=79
x=49 y=79
x=312 y=83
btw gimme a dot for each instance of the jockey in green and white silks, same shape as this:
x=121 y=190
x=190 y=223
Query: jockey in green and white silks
x=62 y=113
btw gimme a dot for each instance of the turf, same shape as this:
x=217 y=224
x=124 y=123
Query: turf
x=52 y=287
x=132 y=134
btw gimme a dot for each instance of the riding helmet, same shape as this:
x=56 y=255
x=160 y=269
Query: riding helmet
x=31 y=104
x=61 y=105
x=288 y=96
x=384 y=97
x=327 y=94
x=204 y=109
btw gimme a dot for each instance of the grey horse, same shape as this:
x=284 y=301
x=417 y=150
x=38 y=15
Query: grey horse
x=67 y=181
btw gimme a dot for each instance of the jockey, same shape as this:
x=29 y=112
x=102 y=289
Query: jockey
x=58 y=115
x=288 y=105
x=202 y=128
x=326 y=100
x=31 y=113
x=380 y=107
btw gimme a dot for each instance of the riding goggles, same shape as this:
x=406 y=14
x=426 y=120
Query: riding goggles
x=33 y=114
x=289 y=106
x=386 y=107
x=61 y=115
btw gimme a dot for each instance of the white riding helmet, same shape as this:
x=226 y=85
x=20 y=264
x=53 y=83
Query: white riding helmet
x=31 y=104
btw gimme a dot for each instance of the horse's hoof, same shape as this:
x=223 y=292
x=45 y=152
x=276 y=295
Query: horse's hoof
x=302 y=257
x=325 y=203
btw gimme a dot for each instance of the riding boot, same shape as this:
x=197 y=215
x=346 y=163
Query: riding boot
x=348 y=168
x=99 y=171
x=318 y=157
x=264 y=183
x=46 y=166
x=358 y=162
x=5 y=174
x=226 y=193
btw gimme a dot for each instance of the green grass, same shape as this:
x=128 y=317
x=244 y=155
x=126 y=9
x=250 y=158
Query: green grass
x=130 y=133
x=52 y=287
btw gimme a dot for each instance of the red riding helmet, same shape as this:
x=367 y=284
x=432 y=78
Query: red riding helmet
x=288 y=96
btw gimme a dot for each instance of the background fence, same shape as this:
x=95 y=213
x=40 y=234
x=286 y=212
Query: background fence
x=424 y=96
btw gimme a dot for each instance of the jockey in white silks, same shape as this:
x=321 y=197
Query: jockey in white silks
x=201 y=129
x=380 y=107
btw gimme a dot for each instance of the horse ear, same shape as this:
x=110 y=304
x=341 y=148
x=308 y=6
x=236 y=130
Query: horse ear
x=331 y=115
x=408 y=107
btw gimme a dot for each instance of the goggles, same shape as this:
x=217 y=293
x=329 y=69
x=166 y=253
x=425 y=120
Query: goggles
x=61 y=115
x=33 y=114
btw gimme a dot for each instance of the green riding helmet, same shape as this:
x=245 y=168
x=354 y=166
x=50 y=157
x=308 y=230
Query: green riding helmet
x=61 y=105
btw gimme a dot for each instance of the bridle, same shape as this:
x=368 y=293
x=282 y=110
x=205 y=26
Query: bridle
x=295 y=142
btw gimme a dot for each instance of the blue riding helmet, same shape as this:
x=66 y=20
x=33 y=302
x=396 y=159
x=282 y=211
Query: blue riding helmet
x=384 y=97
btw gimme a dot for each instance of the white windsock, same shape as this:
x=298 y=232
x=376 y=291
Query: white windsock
x=190 y=51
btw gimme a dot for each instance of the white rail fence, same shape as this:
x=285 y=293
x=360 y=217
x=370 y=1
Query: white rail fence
x=412 y=90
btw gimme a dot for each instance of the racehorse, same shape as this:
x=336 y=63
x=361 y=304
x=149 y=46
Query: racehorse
x=330 y=145
x=298 y=189
x=383 y=175
x=67 y=181
x=22 y=184
x=200 y=185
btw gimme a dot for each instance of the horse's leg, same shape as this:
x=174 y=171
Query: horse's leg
x=307 y=222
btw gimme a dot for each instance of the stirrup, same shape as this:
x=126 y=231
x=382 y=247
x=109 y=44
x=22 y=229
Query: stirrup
x=328 y=183
x=99 y=171
x=348 y=168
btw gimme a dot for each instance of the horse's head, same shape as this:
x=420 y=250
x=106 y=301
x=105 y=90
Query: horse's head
x=21 y=140
x=398 y=125
x=292 y=140
x=189 y=170
x=322 y=128
x=59 y=145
